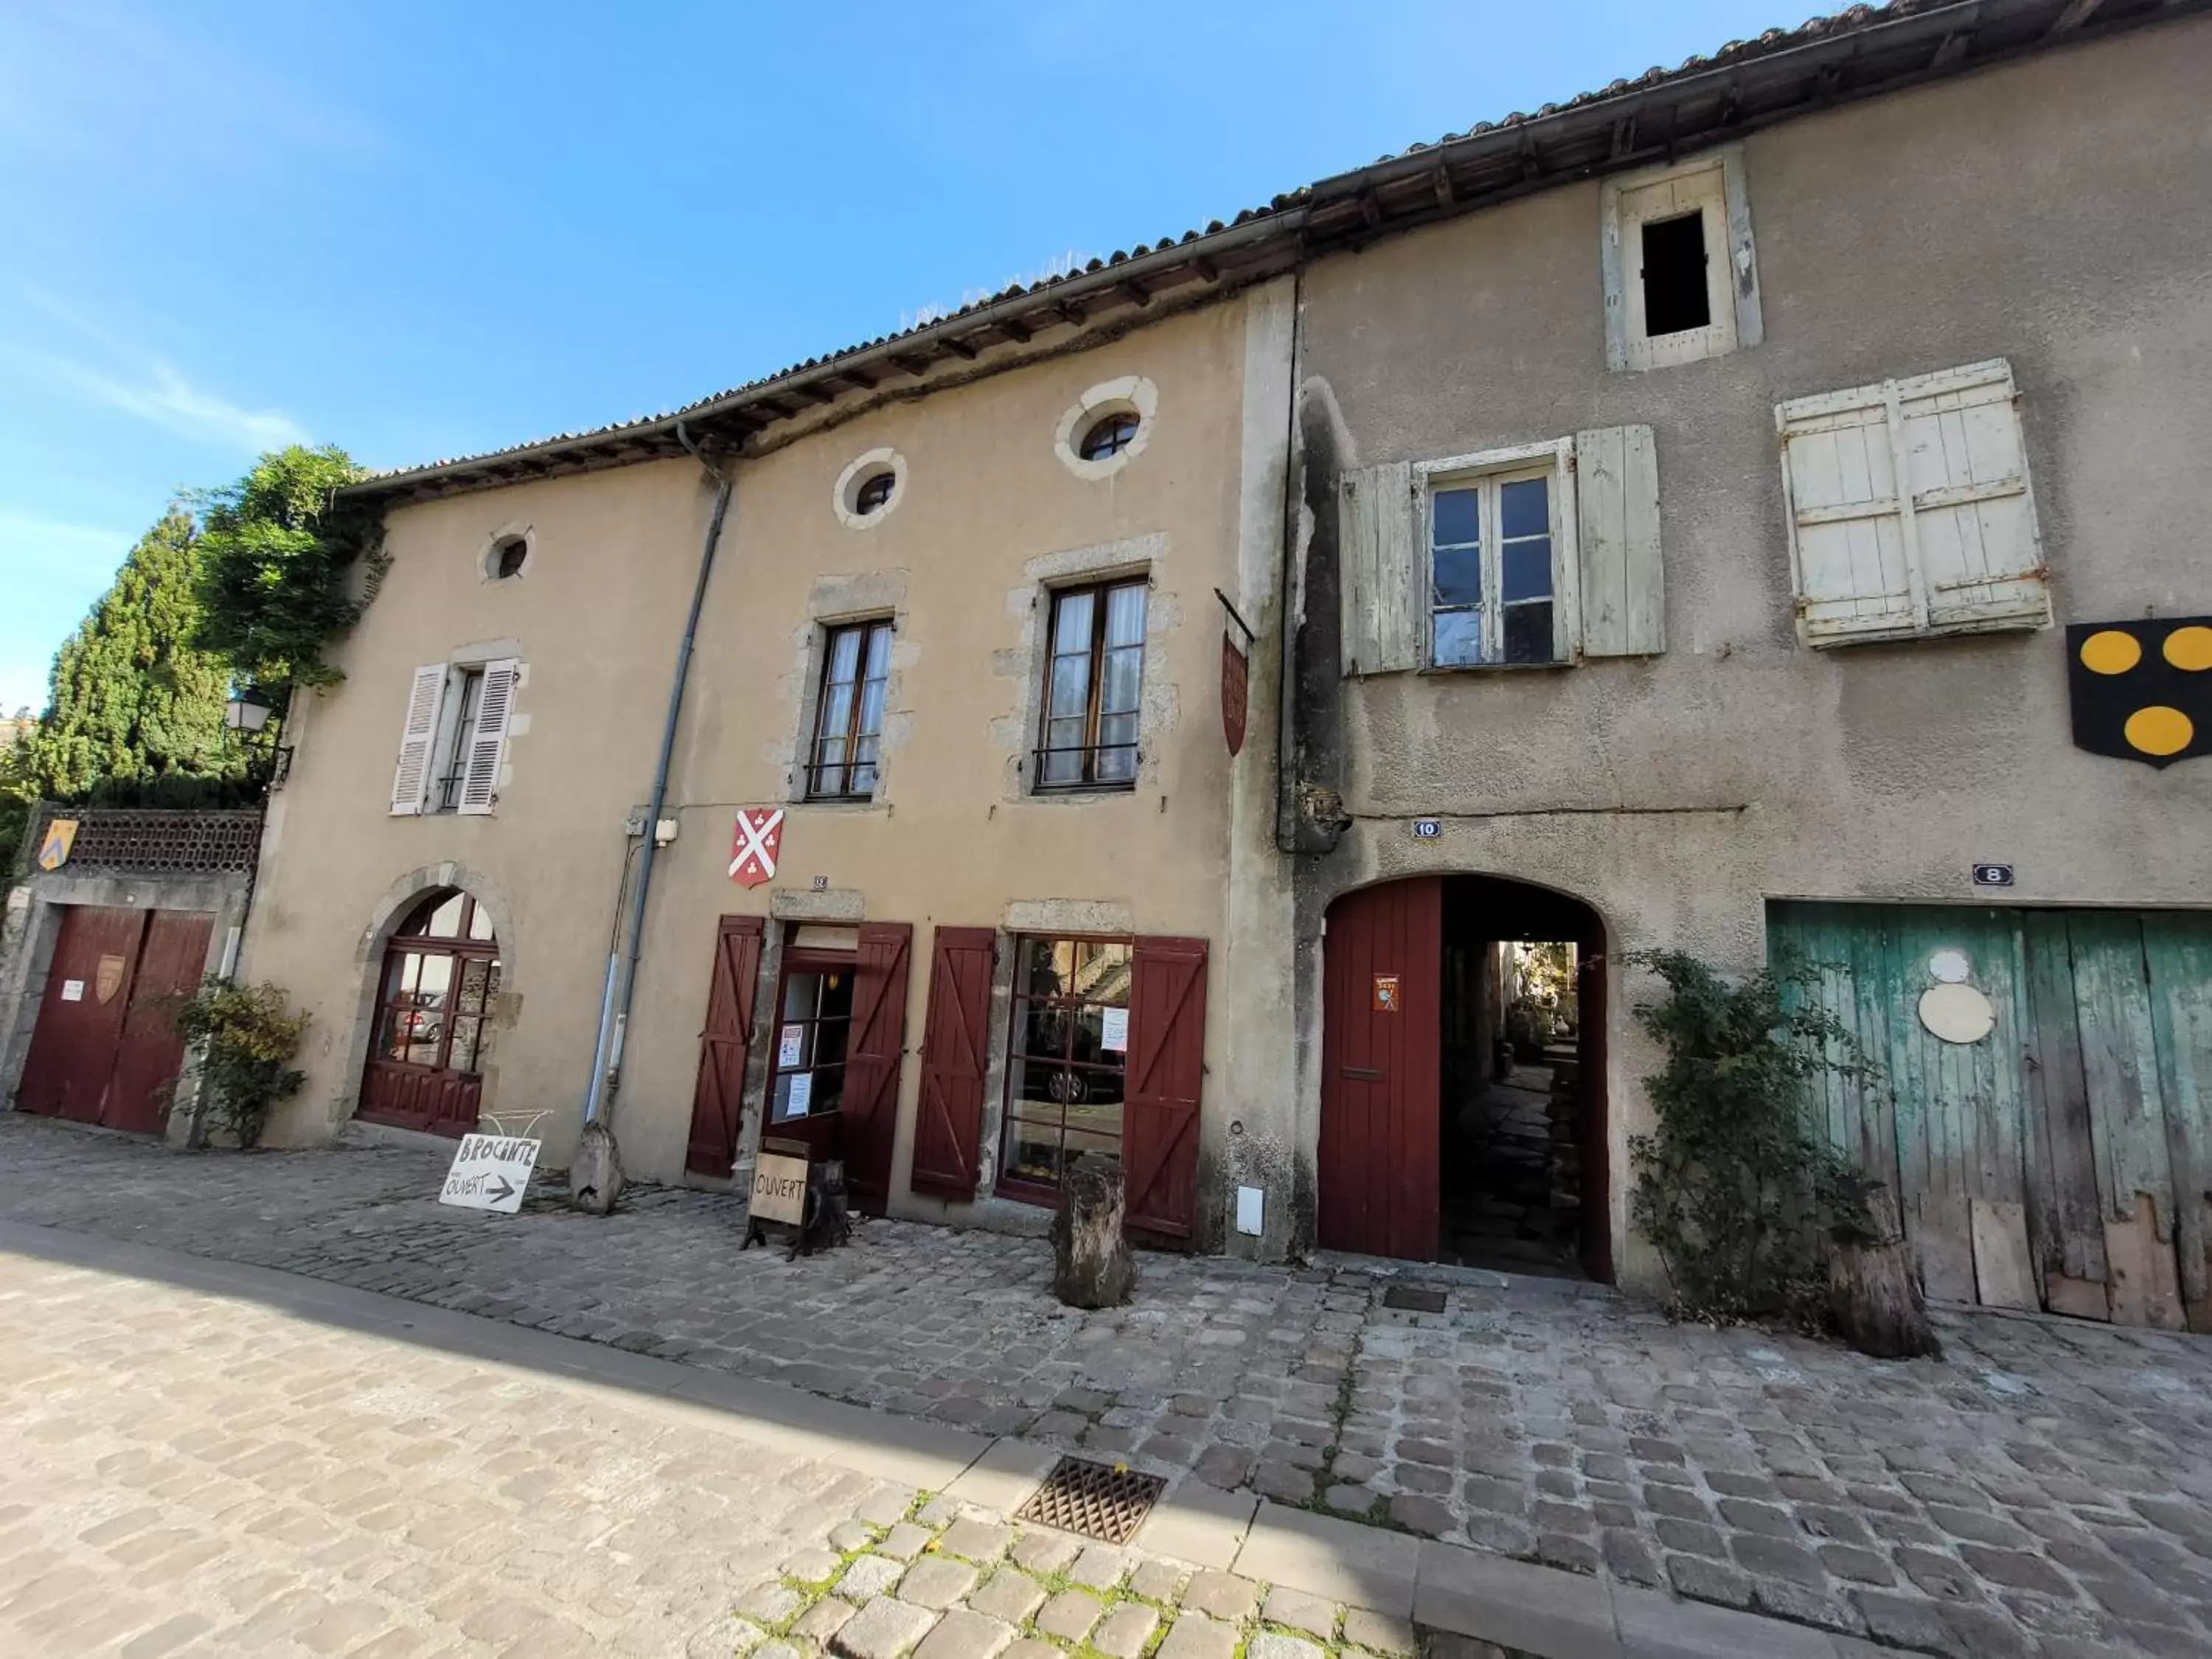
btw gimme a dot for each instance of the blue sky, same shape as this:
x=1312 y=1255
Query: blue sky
x=420 y=229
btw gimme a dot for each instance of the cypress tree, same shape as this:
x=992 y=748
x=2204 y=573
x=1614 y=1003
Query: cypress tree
x=134 y=699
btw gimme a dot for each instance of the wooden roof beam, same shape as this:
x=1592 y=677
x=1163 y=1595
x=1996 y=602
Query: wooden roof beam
x=959 y=348
x=1136 y=294
x=1951 y=49
x=1073 y=314
x=2077 y=12
x=906 y=365
x=1015 y=329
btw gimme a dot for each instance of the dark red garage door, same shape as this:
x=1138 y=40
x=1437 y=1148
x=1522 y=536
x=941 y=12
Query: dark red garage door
x=106 y=1049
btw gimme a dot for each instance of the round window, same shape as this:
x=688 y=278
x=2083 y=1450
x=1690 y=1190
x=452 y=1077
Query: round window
x=874 y=492
x=1110 y=436
x=509 y=556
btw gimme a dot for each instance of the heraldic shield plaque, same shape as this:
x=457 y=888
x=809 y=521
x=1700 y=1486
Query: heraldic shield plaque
x=2142 y=690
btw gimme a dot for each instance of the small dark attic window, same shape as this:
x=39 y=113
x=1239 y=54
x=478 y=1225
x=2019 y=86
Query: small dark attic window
x=1675 y=297
x=512 y=553
x=875 y=494
x=1109 y=437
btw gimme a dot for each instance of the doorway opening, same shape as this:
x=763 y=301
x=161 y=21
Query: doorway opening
x=1463 y=1113
x=1520 y=1147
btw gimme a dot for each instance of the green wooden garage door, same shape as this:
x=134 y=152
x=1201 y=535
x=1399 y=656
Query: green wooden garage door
x=2063 y=1159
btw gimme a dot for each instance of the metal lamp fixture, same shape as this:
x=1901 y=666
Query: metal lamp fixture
x=247 y=710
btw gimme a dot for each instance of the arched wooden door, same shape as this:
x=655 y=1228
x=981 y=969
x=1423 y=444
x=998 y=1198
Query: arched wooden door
x=433 y=1035
x=1382 y=957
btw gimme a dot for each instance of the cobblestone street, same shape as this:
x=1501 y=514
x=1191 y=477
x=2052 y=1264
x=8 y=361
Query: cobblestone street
x=2045 y=1490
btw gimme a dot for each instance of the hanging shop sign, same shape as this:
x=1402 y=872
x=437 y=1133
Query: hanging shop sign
x=755 y=848
x=2142 y=690
x=54 y=851
x=1236 y=675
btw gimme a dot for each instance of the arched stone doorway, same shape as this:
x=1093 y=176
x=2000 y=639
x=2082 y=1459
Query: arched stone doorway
x=1463 y=1113
x=432 y=1025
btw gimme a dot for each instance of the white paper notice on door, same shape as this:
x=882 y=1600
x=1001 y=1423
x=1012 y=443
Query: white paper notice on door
x=801 y=1096
x=791 y=1048
x=72 y=990
x=1114 y=1039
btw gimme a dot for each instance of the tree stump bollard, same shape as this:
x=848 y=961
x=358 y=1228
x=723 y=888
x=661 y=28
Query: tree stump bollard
x=1874 y=1294
x=1090 y=1263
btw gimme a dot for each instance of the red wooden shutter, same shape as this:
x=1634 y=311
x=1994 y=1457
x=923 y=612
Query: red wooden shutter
x=718 y=1102
x=869 y=1115
x=1167 y=1065
x=949 y=1129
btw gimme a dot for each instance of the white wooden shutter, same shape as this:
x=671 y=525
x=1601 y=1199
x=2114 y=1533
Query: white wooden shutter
x=487 y=740
x=1974 y=516
x=1624 y=601
x=1382 y=571
x=1910 y=511
x=411 y=778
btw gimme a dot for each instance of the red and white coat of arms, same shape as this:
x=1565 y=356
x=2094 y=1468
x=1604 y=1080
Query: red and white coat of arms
x=759 y=838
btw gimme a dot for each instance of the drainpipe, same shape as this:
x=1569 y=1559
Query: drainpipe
x=595 y=1177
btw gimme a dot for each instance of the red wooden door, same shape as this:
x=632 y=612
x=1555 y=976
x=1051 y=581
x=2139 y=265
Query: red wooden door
x=151 y=1054
x=948 y=1128
x=1382 y=1047
x=870 y=1110
x=718 y=1099
x=1166 y=1070
x=88 y=995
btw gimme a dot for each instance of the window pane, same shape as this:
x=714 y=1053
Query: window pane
x=1675 y=297
x=475 y=985
x=1117 y=748
x=1125 y=616
x=1033 y=1154
x=845 y=654
x=1040 y=1031
x=879 y=651
x=436 y=978
x=480 y=924
x=1093 y=1127
x=1125 y=675
x=1527 y=571
x=1072 y=623
x=1457 y=516
x=836 y=709
x=445 y=919
x=800 y=994
x=1458 y=576
x=1063 y=760
x=1102 y=972
x=872 y=707
x=462 y=1056
x=1071 y=686
x=1459 y=638
x=1046 y=964
x=1529 y=634
x=1524 y=509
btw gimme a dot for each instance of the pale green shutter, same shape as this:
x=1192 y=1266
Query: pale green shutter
x=1382 y=573
x=1623 y=596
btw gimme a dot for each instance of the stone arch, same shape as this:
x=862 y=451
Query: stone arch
x=392 y=909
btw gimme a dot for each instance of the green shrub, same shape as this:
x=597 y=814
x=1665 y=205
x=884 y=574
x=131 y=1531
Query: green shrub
x=1736 y=1188
x=250 y=1036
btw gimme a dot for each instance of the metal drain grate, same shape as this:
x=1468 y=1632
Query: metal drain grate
x=1093 y=1499
x=1411 y=1300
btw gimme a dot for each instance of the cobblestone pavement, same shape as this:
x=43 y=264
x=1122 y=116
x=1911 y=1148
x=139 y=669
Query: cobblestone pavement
x=2047 y=1490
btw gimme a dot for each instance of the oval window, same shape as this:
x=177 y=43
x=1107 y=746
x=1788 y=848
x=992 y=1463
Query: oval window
x=874 y=492
x=508 y=557
x=1109 y=437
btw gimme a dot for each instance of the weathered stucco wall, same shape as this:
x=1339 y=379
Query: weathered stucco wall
x=2031 y=213
x=987 y=513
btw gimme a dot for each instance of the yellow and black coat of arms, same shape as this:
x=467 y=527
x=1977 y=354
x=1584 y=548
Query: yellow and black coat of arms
x=2142 y=690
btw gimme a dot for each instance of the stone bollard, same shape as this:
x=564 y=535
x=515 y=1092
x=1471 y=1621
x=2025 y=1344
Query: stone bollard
x=595 y=1173
x=1090 y=1263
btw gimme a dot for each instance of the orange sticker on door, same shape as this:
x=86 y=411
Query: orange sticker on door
x=1386 y=993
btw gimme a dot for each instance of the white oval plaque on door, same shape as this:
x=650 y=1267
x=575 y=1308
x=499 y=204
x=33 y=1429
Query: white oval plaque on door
x=1957 y=1013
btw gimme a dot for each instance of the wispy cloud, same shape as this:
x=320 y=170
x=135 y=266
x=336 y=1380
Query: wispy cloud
x=160 y=394
x=154 y=389
x=27 y=538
